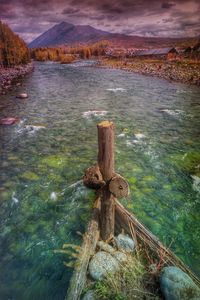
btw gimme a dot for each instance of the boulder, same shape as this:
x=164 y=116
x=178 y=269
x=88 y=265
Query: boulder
x=177 y=285
x=125 y=243
x=101 y=264
x=22 y=96
x=90 y=295
x=120 y=257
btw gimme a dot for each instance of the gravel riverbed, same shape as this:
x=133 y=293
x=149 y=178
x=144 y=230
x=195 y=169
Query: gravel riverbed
x=8 y=76
x=185 y=72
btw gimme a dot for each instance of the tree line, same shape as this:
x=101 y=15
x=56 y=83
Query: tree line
x=67 y=54
x=13 y=50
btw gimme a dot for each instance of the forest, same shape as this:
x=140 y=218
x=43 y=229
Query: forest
x=67 y=54
x=13 y=50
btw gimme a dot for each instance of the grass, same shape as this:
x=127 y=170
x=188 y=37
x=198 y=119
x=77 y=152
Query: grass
x=131 y=282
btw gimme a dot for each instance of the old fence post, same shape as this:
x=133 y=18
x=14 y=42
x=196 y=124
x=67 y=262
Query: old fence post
x=106 y=166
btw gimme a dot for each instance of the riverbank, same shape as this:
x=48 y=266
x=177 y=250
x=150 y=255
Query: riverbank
x=180 y=71
x=9 y=75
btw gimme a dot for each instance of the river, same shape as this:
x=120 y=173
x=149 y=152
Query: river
x=43 y=203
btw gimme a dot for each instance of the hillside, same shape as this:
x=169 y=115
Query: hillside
x=68 y=34
x=13 y=50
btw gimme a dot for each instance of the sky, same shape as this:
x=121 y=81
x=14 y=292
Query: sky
x=154 y=18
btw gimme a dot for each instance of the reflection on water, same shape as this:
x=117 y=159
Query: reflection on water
x=43 y=156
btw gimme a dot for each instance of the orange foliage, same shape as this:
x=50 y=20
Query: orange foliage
x=13 y=50
x=66 y=54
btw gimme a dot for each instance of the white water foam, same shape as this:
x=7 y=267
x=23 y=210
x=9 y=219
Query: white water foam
x=14 y=199
x=196 y=183
x=116 y=90
x=121 y=135
x=94 y=113
x=53 y=196
x=30 y=129
x=137 y=139
x=139 y=136
x=132 y=143
x=83 y=63
x=175 y=112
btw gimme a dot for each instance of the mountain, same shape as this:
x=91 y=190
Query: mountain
x=68 y=34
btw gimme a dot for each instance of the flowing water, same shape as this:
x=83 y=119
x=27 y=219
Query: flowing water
x=43 y=157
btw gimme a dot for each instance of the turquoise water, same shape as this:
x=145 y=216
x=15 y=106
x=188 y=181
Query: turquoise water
x=43 y=203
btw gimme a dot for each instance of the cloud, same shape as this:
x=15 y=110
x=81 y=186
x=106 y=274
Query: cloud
x=167 y=5
x=30 y=18
x=70 y=11
x=167 y=20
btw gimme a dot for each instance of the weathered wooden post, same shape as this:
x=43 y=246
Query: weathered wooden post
x=106 y=167
x=109 y=186
x=102 y=177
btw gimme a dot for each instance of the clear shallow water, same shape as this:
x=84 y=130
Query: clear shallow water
x=43 y=204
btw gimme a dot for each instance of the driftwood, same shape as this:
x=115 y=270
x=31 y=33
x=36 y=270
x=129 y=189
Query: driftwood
x=106 y=166
x=129 y=223
x=93 y=178
x=118 y=186
x=90 y=239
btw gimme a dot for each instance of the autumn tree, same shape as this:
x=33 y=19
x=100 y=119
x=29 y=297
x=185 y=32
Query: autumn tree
x=13 y=50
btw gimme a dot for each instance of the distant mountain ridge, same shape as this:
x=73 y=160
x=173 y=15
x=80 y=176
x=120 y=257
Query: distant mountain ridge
x=67 y=34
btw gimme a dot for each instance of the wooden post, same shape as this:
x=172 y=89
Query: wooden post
x=106 y=149
x=106 y=166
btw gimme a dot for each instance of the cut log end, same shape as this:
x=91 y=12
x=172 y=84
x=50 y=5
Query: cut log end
x=105 y=124
x=118 y=186
x=93 y=178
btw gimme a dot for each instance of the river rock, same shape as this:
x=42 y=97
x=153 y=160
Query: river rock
x=101 y=264
x=177 y=285
x=90 y=295
x=120 y=257
x=22 y=96
x=8 y=121
x=125 y=243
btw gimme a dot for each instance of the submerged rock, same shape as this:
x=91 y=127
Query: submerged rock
x=8 y=121
x=22 y=96
x=90 y=295
x=177 y=285
x=125 y=243
x=101 y=264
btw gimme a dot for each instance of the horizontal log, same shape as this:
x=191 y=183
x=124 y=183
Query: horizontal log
x=93 y=178
x=118 y=186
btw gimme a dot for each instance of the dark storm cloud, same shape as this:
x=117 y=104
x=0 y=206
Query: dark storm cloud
x=70 y=11
x=29 y=18
x=167 y=20
x=167 y=5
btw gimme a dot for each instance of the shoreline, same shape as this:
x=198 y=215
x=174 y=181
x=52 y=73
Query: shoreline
x=9 y=75
x=183 y=72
